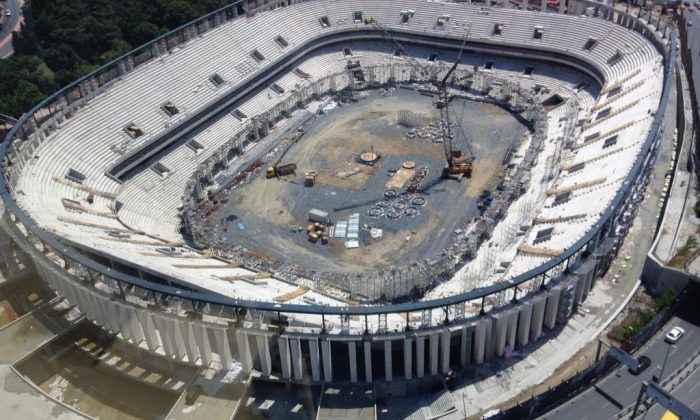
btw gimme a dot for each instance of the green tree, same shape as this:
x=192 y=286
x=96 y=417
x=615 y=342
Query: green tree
x=62 y=40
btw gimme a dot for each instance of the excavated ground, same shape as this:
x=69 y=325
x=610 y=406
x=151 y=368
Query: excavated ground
x=265 y=215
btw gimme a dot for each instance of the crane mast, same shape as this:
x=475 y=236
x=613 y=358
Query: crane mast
x=458 y=163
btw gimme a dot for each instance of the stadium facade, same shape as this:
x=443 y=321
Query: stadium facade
x=94 y=175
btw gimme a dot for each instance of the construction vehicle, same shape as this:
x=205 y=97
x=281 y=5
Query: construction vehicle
x=458 y=162
x=310 y=178
x=277 y=171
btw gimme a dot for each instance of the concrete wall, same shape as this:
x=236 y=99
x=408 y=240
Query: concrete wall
x=658 y=277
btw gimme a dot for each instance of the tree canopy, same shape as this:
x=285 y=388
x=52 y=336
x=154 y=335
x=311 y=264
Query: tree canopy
x=62 y=40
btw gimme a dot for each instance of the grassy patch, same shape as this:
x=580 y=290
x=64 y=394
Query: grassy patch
x=634 y=322
x=684 y=253
x=638 y=317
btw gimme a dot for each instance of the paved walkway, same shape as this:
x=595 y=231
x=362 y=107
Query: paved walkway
x=681 y=198
x=17 y=398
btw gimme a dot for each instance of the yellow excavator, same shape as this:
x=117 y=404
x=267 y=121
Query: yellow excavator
x=277 y=170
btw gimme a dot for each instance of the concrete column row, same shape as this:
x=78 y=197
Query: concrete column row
x=176 y=338
x=197 y=342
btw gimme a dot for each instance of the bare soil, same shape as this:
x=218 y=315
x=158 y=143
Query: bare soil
x=267 y=211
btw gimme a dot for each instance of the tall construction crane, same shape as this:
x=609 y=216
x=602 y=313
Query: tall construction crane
x=458 y=162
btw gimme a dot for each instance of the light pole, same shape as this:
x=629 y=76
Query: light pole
x=663 y=367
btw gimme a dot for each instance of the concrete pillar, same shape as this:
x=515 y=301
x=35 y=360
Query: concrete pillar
x=388 y=363
x=589 y=283
x=190 y=342
x=524 y=323
x=203 y=342
x=244 y=354
x=124 y=318
x=408 y=357
x=550 y=317
x=367 y=345
x=223 y=348
x=121 y=321
x=479 y=342
x=465 y=349
x=297 y=361
x=501 y=330
x=72 y=290
x=109 y=311
x=67 y=290
x=538 y=306
x=489 y=340
x=352 y=354
x=420 y=356
x=580 y=289
x=133 y=320
x=264 y=354
x=434 y=356
x=445 y=359
x=179 y=340
x=102 y=311
x=149 y=329
x=327 y=361
x=315 y=360
x=512 y=328
x=285 y=357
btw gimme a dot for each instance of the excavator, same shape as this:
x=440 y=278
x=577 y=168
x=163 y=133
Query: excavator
x=277 y=170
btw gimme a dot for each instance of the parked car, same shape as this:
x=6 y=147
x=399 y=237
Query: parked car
x=644 y=363
x=8 y=12
x=674 y=335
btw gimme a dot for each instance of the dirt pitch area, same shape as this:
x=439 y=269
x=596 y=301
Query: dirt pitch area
x=268 y=216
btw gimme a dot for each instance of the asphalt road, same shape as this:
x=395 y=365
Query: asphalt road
x=8 y=25
x=693 y=16
x=688 y=393
x=620 y=389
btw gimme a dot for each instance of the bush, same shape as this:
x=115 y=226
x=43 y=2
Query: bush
x=664 y=300
x=631 y=325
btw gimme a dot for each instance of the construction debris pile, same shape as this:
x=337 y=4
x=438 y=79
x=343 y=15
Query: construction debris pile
x=431 y=132
x=395 y=206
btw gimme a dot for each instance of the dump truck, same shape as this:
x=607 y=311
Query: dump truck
x=281 y=170
x=310 y=178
